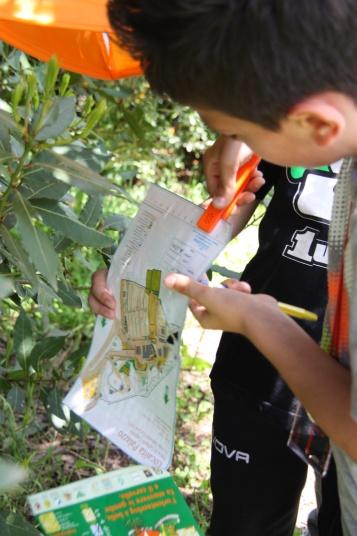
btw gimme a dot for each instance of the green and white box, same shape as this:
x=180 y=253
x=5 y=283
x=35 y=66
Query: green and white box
x=135 y=501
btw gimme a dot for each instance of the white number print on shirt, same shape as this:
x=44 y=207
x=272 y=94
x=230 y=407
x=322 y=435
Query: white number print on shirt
x=305 y=247
x=312 y=201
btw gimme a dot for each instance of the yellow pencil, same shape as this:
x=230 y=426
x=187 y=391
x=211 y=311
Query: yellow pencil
x=297 y=312
x=291 y=310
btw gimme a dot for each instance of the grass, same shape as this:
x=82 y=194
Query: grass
x=53 y=459
x=192 y=445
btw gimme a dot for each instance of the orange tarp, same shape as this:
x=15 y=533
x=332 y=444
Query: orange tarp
x=77 y=31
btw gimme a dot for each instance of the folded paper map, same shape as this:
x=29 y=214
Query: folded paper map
x=127 y=387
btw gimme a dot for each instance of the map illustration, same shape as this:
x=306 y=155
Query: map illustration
x=139 y=349
x=126 y=389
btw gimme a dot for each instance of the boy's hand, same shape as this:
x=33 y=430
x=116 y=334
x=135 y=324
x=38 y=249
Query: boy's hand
x=100 y=299
x=215 y=308
x=221 y=162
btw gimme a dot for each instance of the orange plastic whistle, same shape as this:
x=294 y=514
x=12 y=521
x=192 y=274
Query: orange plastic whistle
x=212 y=215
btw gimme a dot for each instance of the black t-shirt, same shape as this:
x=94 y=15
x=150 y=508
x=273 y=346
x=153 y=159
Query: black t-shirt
x=290 y=265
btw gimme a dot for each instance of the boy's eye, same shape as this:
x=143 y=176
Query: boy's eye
x=234 y=137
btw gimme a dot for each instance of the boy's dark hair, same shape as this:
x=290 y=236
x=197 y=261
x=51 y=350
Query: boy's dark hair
x=253 y=59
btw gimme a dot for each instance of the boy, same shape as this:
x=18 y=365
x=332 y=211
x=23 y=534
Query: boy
x=281 y=76
x=258 y=491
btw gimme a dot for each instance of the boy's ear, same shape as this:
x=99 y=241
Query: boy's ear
x=322 y=120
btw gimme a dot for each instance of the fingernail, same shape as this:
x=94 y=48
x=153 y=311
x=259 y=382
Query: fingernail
x=108 y=299
x=106 y=291
x=219 y=202
x=204 y=281
x=170 y=280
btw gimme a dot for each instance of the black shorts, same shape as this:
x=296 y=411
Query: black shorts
x=256 y=479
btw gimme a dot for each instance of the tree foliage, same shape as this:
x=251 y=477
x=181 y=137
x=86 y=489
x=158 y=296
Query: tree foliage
x=75 y=157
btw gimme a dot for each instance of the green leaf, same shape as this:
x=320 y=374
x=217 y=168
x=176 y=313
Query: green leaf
x=61 y=243
x=5 y=106
x=133 y=120
x=51 y=75
x=5 y=147
x=62 y=418
x=19 y=256
x=41 y=184
x=117 y=221
x=68 y=296
x=92 y=211
x=17 y=60
x=4 y=529
x=7 y=120
x=16 y=398
x=9 y=220
x=46 y=349
x=46 y=296
x=136 y=120
x=59 y=116
x=56 y=408
x=225 y=272
x=75 y=174
x=94 y=158
x=77 y=357
x=77 y=231
x=4 y=265
x=23 y=339
x=4 y=389
x=16 y=375
x=23 y=291
x=35 y=242
x=11 y=143
x=13 y=524
x=6 y=287
x=17 y=147
x=116 y=91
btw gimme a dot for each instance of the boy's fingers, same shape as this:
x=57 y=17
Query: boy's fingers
x=256 y=182
x=99 y=280
x=248 y=195
x=99 y=289
x=229 y=164
x=253 y=185
x=245 y=198
x=195 y=306
x=99 y=309
x=234 y=284
x=234 y=154
x=206 y=203
x=188 y=287
x=198 y=311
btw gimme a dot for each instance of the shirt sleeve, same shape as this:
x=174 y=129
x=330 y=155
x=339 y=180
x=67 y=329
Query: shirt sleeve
x=271 y=174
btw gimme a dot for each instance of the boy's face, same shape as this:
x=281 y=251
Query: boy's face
x=293 y=144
